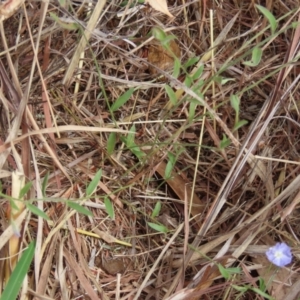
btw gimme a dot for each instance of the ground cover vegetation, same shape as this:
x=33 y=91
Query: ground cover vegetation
x=149 y=151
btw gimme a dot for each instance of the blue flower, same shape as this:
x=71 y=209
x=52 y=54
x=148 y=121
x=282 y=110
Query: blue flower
x=280 y=254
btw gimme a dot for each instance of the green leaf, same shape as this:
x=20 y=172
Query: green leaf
x=122 y=100
x=130 y=137
x=131 y=145
x=159 y=228
x=14 y=205
x=171 y=94
x=15 y=281
x=240 y=288
x=236 y=270
x=64 y=25
x=109 y=208
x=262 y=284
x=166 y=41
x=138 y=152
x=240 y=124
x=170 y=165
x=217 y=79
x=188 y=81
x=225 y=80
x=25 y=189
x=191 y=61
x=168 y=170
x=177 y=65
x=135 y=3
x=225 y=142
x=159 y=34
x=93 y=184
x=44 y=184
x=79 y=208
x=295 y=24
x=224 y=272
x=261 y=293
x=198 y=73
x=256 y=57
x=111 y=143
x=198 y=87
x=269 y=16
x=235 y=103
x=63 y=3
x=35 y=210
x=156 y=209
x=192 y=110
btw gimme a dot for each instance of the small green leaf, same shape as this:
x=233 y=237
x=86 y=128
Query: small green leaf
x=198 y=87
x=156 y=209
x=171 y=94
x=236 y=270
x=191 y=61
x=14 y=205
x=198 y=73
x=235 y=103
x=166 y=42
x=256 y=57
x=35 y=210
x=225 y=142
x=44 y=184
x=131 y=145
x=240 y=124
x=122 y=100
x=130 y=137
x=93 y=184
x=159 y=34
x=79 y=208
x=111 y=143
x=240 y=288
x=16 y=279
x=25 y=189
x=261 y=293
x=224 y=272
x=192 y=110
x=177 y=65
x=170 y=165
x=168 y=170
x=138 y=152
x=269 y=16
x=262 y=285
x=217 y=79
x=64 y=25
x=188 y=81
x=63 y=3
x=109 y=208
x=225 y=80
x=159 y=228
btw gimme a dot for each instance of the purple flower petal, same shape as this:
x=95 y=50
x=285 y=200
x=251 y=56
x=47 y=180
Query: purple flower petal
x=280 y=254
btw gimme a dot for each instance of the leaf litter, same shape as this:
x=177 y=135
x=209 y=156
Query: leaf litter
x=73 y=75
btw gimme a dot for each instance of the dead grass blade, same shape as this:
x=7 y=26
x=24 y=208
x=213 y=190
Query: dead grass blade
x=82 y=279
x=94 y=19
x=140 y=289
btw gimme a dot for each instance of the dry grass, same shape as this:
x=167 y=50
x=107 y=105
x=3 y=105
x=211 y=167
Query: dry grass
x=227 y=206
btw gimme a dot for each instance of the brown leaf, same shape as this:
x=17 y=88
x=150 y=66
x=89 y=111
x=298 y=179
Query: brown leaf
x=161 y=57
x=180 y=187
